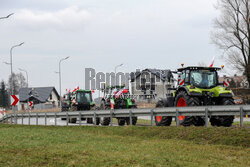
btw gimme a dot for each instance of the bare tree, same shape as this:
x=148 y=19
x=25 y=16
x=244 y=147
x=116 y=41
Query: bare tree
x=232 y=33
x=19 y=81
x=6 y=17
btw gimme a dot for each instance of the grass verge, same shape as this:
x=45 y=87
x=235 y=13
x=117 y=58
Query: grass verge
x=123 y=146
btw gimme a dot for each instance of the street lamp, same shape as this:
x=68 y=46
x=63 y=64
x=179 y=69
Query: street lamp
x=115 y=71
x=26 y=75
x=7 y=16
x=60 y=79
x=11 y=70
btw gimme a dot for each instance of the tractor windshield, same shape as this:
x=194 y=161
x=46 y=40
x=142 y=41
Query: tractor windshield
x=83 y=97
x=203 y=78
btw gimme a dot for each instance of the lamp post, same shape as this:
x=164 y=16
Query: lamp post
x=26 y=75
x=115 y=71
x=60 y=78
x=7 y=16
x=11 y=68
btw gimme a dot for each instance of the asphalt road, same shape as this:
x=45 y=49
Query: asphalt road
x=59 y=122
x=50 y=121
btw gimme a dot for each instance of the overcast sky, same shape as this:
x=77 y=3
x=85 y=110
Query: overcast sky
x=101 y=34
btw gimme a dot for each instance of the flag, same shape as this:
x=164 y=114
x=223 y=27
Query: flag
x=212 y=62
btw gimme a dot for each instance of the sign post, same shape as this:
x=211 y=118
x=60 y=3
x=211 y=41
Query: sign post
x=14 y=102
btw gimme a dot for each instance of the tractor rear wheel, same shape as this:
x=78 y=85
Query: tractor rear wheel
x=121 y=121
x=72 y=120
x=182 y=100
x=90 y=120
x=134 y=121
x=105 y=121
x=226 y=121
x=162 y=120
x=97 y=121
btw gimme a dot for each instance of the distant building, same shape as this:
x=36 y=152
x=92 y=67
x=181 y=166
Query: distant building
x=42 y=97
x=151 y=84
x=236 y=81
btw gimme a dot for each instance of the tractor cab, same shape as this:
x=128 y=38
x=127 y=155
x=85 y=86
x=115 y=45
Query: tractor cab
x=82 y=99
x=200 y=77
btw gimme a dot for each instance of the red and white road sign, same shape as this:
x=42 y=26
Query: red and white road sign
x=112 y=103
x=14 y=100
x=226 y=83
x=30 y=103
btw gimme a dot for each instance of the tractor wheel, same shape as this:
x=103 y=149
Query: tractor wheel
x=226 y=121
x=182 y=100
x=89 y=120
x=105 y=121
x=134 y=121
x=162 y=120
x=121 y=121
x=72 y=120
x=97 y=121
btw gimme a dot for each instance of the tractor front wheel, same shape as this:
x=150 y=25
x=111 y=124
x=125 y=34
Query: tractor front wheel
x=226 y=121
x=162 y=120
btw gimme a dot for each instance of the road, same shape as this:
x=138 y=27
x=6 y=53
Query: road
x=50 y=121
x=59 y=122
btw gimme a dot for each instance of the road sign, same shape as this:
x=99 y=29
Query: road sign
x=14 y=100
x=112 y=103
x=30 y=103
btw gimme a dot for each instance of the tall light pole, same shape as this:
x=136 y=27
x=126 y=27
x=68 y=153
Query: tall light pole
x=7 y=16
x=11 y=68
x=27 y=77
x=60 y=79
x=115 y=71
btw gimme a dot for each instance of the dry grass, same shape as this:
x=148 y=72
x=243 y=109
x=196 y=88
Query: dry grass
x=145 y=105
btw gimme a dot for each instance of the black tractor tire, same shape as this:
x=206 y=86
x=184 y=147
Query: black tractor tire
x=97 y=121
x=105 y=121
x=189 y=101
x=225 y=121
x=72 y=120
x=121 y=121
x=90 y=120
x=162 y=120
x=134 y=121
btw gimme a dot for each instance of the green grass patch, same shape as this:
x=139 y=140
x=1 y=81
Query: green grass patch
x=123 y=146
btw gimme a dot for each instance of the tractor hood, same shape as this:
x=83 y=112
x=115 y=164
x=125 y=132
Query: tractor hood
x=217 y=91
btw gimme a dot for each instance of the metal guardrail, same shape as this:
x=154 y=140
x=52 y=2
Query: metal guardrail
x=205 y=111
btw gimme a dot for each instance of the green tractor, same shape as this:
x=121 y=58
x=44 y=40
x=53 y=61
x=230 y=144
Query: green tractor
x=197 y=86
x=78 y=101
x=121 y=100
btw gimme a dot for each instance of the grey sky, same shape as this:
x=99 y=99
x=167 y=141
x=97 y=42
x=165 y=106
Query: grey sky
x=103 y=33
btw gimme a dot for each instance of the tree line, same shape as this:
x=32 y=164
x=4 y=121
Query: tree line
x=19 y=81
